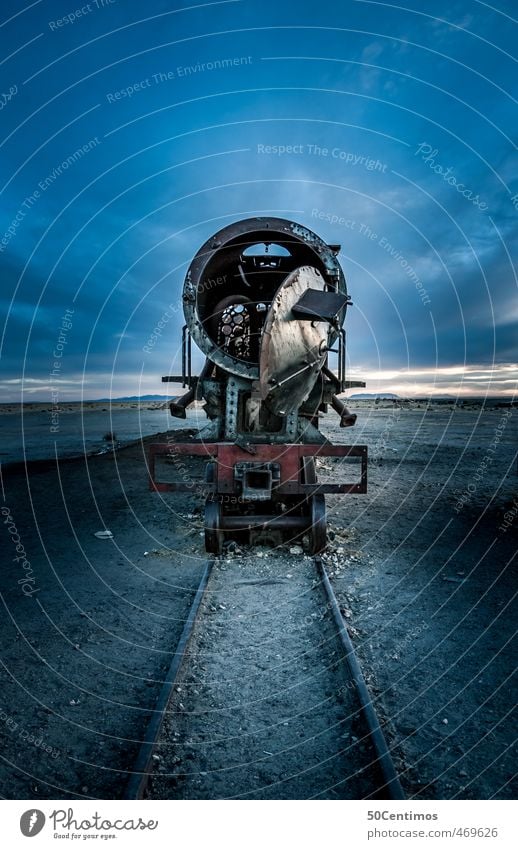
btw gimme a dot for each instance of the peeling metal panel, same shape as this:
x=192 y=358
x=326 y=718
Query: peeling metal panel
x=293 y=351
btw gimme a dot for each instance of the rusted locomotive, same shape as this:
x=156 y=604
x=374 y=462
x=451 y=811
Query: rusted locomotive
x=265 y=300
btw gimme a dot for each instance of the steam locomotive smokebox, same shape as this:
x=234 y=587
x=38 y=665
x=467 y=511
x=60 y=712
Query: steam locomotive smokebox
x=234 y=277
x=265 y=300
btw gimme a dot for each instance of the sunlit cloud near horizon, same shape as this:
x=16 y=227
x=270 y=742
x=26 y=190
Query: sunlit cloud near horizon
x=459 y=382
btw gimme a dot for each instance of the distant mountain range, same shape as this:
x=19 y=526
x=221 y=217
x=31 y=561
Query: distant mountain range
x=366 y=395
x=359 y=396
x=137 y=398
x=391 y=396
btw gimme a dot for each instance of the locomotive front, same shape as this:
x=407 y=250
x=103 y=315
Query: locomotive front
x=265 y=300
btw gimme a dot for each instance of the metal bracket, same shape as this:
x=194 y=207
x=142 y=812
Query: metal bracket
x=289 y=457
x=257 y=479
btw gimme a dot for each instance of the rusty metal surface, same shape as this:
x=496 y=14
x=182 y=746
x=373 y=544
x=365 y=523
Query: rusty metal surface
x=293 y=350
x=289 y=457
x=347 y=419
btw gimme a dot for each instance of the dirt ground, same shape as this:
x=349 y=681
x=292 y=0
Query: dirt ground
x=84 y=656
x=265 y=708
x=431 y=590
x=423 y=566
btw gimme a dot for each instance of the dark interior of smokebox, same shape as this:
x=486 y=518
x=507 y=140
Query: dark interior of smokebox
x=238 y=284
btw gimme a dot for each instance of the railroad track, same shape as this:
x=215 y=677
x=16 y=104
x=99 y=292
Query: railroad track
x=139 y=778
x=343 y=752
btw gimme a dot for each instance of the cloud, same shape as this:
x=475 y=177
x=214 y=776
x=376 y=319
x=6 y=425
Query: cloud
x=128 y=218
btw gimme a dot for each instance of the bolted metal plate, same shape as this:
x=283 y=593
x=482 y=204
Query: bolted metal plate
x=293 y=350
x=315 y=304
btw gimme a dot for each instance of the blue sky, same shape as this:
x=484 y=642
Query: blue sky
x=131 y=132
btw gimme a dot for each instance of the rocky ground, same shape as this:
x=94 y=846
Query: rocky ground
x=423 y=566
x=264 y=708
x=83 y=657
x=428 y=574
